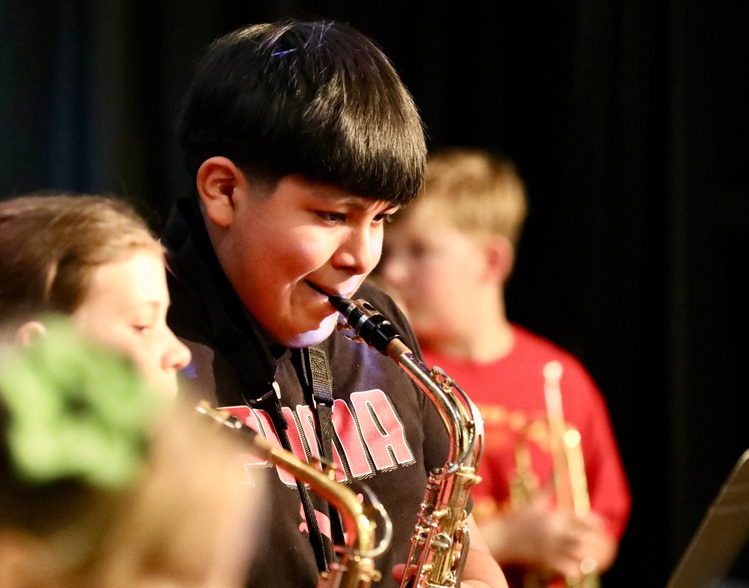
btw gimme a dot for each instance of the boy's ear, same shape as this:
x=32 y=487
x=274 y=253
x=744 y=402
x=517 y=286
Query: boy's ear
x=217 y=182
x=29 y=332
x=500 y=257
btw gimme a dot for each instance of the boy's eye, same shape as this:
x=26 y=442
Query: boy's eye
x=333 y=217
x=385 y=217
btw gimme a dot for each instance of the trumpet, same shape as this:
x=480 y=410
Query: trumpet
x=570 y=481
x=355 y=567
x=439 y=544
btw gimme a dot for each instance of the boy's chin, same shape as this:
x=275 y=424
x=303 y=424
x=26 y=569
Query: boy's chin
x=313 y=337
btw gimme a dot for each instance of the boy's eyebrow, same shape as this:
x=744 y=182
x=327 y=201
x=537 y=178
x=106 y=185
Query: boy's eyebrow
x=360 y=202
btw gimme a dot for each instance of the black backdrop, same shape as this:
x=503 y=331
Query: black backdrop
x=627 y=118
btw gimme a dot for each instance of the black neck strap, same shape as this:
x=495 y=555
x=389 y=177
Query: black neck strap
x=322 y=398
x=271 y=403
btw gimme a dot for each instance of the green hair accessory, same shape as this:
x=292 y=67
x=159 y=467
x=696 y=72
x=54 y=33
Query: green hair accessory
x=75 y=410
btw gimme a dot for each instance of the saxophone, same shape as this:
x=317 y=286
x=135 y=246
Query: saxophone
x=439 y=544
x=570 y=482
x=355 y=567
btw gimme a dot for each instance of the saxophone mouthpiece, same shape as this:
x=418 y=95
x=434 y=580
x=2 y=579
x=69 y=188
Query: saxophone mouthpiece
x=340 y=303
x=367 y=323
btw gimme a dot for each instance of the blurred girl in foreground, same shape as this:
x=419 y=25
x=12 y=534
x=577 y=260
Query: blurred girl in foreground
x=104 y=481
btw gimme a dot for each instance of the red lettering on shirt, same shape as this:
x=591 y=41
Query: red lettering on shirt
x=370 y=434
x=382 y=429
x=347 y=430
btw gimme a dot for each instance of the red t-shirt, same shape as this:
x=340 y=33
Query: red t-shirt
x=509 y=393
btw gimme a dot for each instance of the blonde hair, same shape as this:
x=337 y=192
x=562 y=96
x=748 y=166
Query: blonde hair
x=168 y=523
x=51 y=243
x=479 y=192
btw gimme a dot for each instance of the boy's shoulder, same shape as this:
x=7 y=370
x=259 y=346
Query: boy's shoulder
x=376 y=296
x=529 y=343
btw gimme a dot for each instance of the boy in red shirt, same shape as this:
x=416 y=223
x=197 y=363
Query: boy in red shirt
x=448 y=257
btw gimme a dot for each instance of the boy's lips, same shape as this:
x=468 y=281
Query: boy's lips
x=322 y=291
x=327 y=293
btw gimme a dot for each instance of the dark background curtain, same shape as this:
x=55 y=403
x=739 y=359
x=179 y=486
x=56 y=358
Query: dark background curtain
x=628 y=120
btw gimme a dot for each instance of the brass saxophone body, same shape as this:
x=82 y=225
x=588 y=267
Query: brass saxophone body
x=439 y=544
x=355 y=567
x=570 y=481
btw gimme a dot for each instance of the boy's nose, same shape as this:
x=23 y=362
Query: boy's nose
x=360 y=252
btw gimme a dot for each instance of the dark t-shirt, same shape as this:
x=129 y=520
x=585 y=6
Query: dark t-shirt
x=387 y=432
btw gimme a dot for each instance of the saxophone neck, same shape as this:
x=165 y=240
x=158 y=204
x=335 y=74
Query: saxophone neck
x=460 y=416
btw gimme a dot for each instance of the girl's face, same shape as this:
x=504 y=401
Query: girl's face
x=126 y=308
